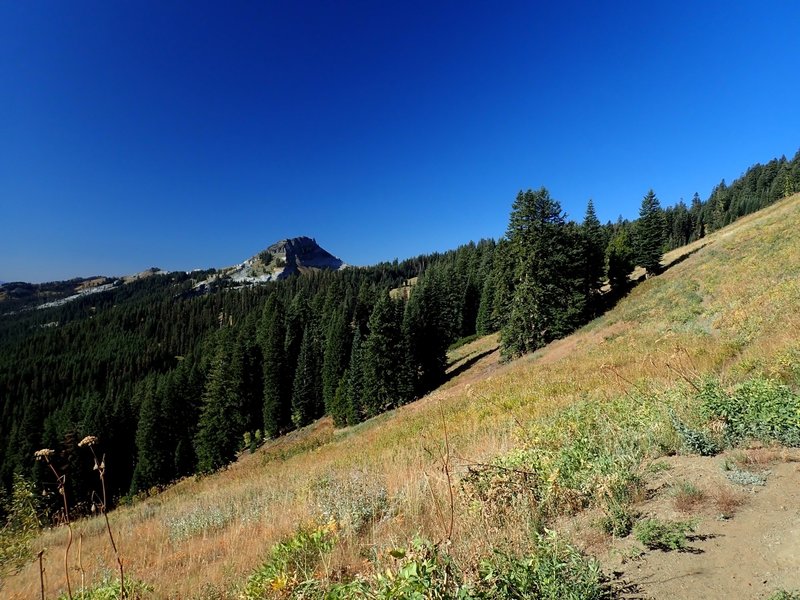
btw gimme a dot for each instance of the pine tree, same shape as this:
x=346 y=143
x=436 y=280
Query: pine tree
x=153 y=460
x=427 y=328
x=594 y=246
x=337 y=354
x=484 y=323
x=547 y=287
x=354 y=383
x=385 y=360
x=297 y=316
x=307 y=402
x=252 y=381
x=650 y=234
x=222 y=421
x=620 y=260
x=277 y=390
x=696 y=216
x=337 y=407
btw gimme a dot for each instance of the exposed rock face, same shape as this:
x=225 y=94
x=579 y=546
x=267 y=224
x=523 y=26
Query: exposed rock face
x=303 y=253
x=285 y=258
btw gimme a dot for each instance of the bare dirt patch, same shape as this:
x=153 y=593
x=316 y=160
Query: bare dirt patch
x=746 y=542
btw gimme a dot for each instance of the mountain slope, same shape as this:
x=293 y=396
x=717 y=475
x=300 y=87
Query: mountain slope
x=727 y=306
x=284 y=258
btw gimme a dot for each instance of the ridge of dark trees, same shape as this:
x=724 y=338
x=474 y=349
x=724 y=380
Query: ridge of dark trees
x=173 y=382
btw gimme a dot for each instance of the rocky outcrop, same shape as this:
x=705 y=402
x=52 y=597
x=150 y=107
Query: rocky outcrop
x=282 y=259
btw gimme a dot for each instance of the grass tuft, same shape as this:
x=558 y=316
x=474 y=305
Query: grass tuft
x=657 y=534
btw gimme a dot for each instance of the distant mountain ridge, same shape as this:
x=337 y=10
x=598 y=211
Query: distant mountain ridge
x=286 y=257
x=282 y=259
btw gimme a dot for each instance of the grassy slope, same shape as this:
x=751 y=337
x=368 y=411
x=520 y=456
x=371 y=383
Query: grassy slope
x=730 y=308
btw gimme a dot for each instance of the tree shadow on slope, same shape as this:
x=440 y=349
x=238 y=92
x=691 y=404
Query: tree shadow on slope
x=464 y=366
x=612 y=297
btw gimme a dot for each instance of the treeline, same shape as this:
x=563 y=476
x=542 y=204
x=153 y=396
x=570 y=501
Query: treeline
x=176 y=383
x=172 y=381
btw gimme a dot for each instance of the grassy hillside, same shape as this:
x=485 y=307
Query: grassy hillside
x=569 y=428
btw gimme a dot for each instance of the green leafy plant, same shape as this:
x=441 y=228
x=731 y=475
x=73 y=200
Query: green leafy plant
x=293 y=564
x=21 y=526
x=618 y=520
x=785 y=595
x=111 y=589
x=759 y=408
x=695 y=440
x=743 y=477
x=555 y=571
x=656 y=534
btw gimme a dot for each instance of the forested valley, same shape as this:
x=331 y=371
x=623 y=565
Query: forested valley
x=176 y=383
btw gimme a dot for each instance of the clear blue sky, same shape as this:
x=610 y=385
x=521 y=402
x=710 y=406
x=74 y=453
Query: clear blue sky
x=194 y=134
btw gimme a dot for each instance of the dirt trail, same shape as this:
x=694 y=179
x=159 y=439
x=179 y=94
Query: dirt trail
x=748 y=556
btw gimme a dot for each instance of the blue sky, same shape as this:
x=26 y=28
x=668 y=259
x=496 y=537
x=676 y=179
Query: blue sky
x=193 y=134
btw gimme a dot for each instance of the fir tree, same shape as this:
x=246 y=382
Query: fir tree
x=386 y=381
x=353 y=405
x=337 y=354
x=619 y=260
x=427 y=329
x=484 y=324
x=650 y=234
x=277 y=390
x=547 y=282
x=594 y=246
x=337 y=407
x=306 y=392
x=222 y=422
x=153 y=460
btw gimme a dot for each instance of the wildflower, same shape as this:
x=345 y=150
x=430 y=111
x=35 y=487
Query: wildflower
x=89 y=440
x=43 y=453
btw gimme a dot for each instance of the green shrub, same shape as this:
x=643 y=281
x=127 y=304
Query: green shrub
x=695 y=440
x=785 y=595
x=656 y=534
x=293 y=564
x=759 y=408
x=424 y=571
x=556 y=571
x=618 y=520
x=21 y=526
x=742 y=477
x=109 y=589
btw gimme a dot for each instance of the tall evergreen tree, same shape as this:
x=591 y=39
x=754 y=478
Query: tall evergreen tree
x=385 y=361
x=277 y=387
x=428 y=331
x=307 y=402
x=594 y=246
x=337 y=354
x=154 y=463
x=620 y=260
x=353 y=401
x=650 y=234
x=484 y=323
x=222 y=419
x=696 y=216
x=252 y=381
x=547 y=281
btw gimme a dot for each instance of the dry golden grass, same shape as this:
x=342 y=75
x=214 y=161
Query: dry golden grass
x=731 y=308
x=688 y=498
x=727 y=500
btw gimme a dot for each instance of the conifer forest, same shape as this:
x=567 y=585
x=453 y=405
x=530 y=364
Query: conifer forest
x=175 y=382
